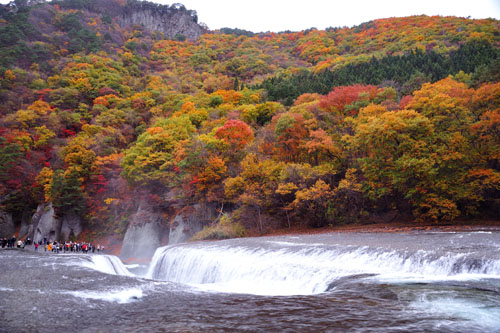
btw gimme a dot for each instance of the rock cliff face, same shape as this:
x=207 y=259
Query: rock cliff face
x=144 y=234
x=71 y=225
x=171 y=24
x=172 y=20
x=189 y=222
x=45 y=224
x=148 y=229
x=7 y=227
x=26 y=229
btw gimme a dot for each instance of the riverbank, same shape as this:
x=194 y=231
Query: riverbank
x=395 y=227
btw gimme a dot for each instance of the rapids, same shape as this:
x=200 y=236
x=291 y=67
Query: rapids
x=297 y=266
x=422 y=281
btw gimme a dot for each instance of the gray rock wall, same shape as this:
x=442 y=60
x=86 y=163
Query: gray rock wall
x=141 y=241
x=189 y=222
x=144 y=234
x=170 y=25
x=26 y=229
x=7 y=227
x=45 y=224
x=71 y=225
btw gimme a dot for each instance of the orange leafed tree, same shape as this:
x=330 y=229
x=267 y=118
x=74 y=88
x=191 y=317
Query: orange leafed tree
x=235 y=132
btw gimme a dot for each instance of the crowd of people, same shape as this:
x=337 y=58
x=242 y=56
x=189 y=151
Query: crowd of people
x=11 y=242
x=55 y=246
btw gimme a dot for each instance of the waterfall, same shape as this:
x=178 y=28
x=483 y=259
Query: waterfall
x=295 y=269
x=107 y=264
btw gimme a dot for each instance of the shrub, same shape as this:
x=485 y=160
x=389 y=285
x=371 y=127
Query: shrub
x=224 y=229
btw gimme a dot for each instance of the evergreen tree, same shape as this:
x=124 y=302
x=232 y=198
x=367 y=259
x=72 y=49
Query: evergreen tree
x=66 y=193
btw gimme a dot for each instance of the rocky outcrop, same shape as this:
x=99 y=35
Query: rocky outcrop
x=189 y=222
x=171 y=22
x=7 y=227
x=71 y=226
x=141 y=241
x=26 y=229
x=144 y=235
x=45 y=224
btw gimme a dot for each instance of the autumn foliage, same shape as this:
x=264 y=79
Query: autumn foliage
x=274 y=129
x=236 y=133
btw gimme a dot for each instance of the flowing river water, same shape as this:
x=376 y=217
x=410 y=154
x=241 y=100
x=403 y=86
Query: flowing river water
x=337 y=282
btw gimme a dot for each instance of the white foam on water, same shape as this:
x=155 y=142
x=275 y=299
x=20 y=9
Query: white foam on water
x=397 y=278
x=242 y=271
x=292 y=270
x=119 y=296
x=257 y=287
x=107 y=264
x=295 y=244
x=481 y=315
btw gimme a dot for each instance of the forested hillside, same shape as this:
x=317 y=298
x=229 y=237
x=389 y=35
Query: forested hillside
x=394 y=117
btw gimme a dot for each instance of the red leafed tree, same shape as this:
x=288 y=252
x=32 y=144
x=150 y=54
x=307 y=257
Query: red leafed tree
x=405 y=100
x=290 y=133
x=339 y=97
x=18 y=168
x=236 y=133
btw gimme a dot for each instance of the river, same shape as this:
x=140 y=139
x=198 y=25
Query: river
x=336 y=282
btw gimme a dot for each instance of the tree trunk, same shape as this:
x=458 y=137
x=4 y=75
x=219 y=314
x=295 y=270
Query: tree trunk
x=260 y=219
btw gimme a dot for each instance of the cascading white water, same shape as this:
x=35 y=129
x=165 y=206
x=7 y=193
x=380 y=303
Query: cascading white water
x=308 y=268
x=416 y=281
x=107 y=264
